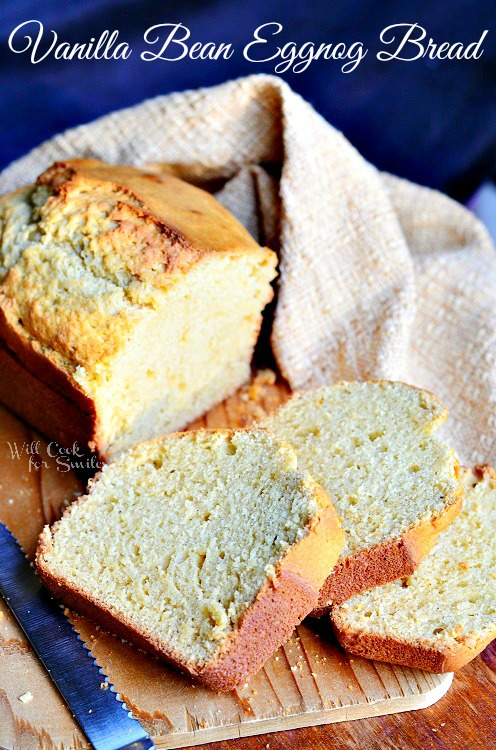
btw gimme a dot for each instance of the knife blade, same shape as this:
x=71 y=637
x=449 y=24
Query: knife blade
x=91 y=697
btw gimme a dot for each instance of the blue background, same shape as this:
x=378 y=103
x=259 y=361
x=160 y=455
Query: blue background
x=431 y=121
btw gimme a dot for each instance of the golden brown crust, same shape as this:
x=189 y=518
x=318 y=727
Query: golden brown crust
x=386 y=562
x=418 y=655
x=50 y=412
x=185 y=213
x=30 y=353
x=280 y=605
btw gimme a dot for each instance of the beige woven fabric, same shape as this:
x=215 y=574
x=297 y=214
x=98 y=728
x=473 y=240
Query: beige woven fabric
x=380 y=278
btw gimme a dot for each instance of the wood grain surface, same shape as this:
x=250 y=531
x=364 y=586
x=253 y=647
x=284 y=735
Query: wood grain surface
x=310 y=680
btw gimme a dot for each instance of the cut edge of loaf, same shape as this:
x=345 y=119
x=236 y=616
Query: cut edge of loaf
x=191 y=240
x=380 y=564
x=284 y=600
x=418 y=654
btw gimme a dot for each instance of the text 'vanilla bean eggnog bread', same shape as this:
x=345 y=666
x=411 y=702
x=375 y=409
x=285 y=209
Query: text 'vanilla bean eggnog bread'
x=205 y=547
x=394 y=484
x=130 y=303
x=443 y=615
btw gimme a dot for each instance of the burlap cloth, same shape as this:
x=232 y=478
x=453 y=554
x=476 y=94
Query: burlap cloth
x=380 y=278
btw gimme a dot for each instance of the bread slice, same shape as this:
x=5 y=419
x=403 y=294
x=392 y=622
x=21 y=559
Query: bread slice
x=370 y=445
x=445 y=613
x=206 y=548
x=130 y=303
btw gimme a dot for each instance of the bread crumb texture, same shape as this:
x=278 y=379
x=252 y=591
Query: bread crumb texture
x=451 y=599
x=370 y=445
x=178 y=536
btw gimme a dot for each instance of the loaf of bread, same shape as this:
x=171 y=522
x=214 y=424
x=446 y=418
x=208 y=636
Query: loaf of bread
x=443 y=615
x=205 y=547
x=130 y=303
x=369 y=444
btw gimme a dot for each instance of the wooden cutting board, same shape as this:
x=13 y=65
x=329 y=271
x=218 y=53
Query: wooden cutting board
x=310 y=680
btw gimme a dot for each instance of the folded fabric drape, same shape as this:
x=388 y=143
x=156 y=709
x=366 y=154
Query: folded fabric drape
x=379 y=278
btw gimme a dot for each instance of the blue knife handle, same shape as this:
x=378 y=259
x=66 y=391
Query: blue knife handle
x=103 y=718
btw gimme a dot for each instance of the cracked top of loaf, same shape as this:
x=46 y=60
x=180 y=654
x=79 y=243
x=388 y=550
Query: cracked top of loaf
x=91 y=248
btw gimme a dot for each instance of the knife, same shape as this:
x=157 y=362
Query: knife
x=93 y=701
